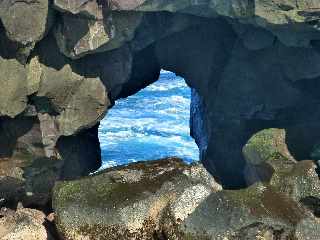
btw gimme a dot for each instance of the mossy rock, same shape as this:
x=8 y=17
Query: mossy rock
x=299 y=182
x=130 y=202
x=265 y=153
x=255 y=212
x=266 y=145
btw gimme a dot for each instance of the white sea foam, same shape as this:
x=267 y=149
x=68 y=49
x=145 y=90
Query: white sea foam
x=165 y=87
x=108 y=164
x=158 y=88
x=153 y=123
x=165 y=71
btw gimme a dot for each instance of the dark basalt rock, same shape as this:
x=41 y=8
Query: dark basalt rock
x=252 y=65
x=30 y=164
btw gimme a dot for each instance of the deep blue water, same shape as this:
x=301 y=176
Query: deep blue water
x=152 y=124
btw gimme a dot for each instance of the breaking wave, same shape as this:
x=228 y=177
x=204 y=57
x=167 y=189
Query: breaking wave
x=152 y=124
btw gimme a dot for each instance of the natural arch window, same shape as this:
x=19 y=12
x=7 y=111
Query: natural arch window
x=152 y=124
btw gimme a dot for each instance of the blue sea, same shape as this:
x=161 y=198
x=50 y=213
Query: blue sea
x=152 y=124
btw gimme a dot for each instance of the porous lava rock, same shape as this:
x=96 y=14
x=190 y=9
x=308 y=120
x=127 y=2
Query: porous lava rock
x=139 y=201
x=23 y=224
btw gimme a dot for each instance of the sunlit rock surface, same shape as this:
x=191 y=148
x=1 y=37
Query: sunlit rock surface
x=24 y=223
x=169 y=200
x=138 y=201
x=25 y=23
x=259 y=212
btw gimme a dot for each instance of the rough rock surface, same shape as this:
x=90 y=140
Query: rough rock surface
x=283 y=206
x=259 y=212
x=25 y=22
x=13 y=94
x=169 y=200
x=265 y=153
x=29 y=166
x=138 y=201
x=77 y=37
x=22 y=224
x=269 y=160
x=252 y=64
x=275 y=16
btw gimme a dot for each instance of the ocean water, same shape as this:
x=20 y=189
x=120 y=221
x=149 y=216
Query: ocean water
x=152 y=124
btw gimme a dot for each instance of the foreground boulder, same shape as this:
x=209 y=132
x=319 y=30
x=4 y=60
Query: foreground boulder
x=283 y=204
x=171 y=200
x=258 y=212
x=300 y=181
x=23 y=224
x=140 y=201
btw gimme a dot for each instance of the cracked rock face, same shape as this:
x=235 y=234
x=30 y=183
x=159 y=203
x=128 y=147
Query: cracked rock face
x=275 y=16
x=89 y=8
x=14 y=14
x=79 y=36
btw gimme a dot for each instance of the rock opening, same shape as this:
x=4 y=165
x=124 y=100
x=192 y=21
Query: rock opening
x=151 y=124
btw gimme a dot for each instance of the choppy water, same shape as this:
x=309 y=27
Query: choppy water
x=152 y=124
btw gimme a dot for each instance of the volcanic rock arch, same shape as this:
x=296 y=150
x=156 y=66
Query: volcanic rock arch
x=252 y=65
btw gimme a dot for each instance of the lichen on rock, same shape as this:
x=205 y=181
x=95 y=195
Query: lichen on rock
x=269 y=160
x=130 y=202
x=266 y=152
